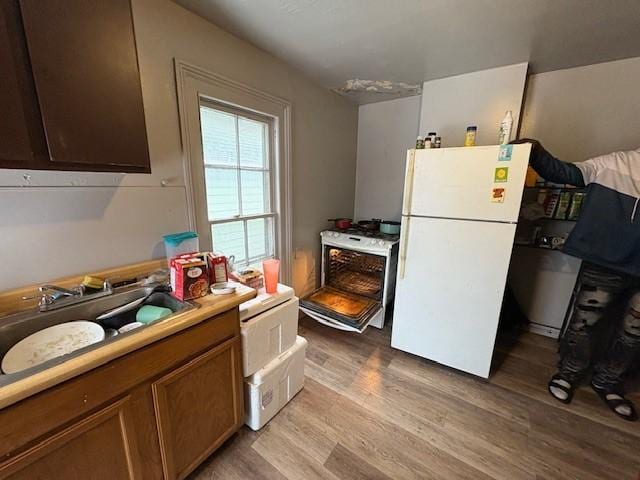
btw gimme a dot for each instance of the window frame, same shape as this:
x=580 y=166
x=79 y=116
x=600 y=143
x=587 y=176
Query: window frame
x=192 y=82
x=271 y=239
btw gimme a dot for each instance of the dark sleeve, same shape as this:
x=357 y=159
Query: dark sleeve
x=552 y=169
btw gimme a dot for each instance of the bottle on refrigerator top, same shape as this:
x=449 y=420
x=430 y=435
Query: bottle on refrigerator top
x=470 y=136
x=505 y=128
x=419 y=143
x=438 y=142
x=428 y=143
x=432 y=136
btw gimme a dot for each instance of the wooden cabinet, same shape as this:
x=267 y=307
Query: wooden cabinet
x=74 y=66
x=22 y=139
x=194 y=415
x=157 y=412
x=98 y=446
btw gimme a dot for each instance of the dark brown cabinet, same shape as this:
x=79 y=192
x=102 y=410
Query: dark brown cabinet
x=22 y=141
x=75 y=66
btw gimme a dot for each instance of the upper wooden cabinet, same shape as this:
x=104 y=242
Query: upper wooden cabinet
x=22 y=139
x=83 y=64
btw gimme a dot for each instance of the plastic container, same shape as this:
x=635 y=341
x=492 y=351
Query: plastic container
x=272 y=387
x=180 y=243
x=470 y=136
x=268 y=327
x=151 y=313
x=271 y=271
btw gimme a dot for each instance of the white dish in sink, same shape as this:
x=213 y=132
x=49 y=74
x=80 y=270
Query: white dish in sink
x=51 y=342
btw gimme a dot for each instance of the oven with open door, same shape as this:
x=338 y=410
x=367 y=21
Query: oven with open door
x=356 y=283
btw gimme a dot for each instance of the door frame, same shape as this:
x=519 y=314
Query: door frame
x=194 y=83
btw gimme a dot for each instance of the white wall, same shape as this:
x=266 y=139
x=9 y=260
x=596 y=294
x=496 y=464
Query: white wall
x=583 y=112
x=576 y=113
x=385 y=131
x=54 y=224
x=450 y=105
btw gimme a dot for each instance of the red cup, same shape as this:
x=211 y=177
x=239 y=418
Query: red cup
x=271 y=270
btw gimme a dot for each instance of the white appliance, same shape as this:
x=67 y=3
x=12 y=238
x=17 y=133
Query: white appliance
x=455 y=247
x=273 y=386
x=358 y=280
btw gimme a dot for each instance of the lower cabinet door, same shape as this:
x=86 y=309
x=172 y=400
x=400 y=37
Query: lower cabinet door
x=99 y=446
x=198 y=406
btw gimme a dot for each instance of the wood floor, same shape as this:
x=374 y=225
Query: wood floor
x=368 y=412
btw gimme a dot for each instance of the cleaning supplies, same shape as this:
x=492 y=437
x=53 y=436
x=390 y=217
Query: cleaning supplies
x=92 y=283
x=151 y=313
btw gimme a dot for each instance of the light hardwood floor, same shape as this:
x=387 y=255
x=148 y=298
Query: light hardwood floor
x=369 y=412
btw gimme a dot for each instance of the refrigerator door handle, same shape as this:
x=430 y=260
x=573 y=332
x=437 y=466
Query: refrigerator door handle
x=404 y=245
x=408 y=188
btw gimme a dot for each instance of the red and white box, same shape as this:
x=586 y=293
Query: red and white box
x=189 y=277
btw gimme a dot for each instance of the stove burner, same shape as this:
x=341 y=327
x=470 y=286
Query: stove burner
x=355 y=230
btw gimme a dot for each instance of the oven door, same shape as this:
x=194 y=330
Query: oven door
x=341 y=310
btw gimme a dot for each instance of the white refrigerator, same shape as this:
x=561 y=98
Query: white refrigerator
x=459 y=216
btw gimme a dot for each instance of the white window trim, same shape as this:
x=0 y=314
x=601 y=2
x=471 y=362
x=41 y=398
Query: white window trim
x=192 y=84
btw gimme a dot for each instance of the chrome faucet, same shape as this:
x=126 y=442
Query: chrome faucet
x=53 y=296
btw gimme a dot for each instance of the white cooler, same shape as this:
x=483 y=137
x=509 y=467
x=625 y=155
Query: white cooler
x=270 y=388
x=268 y=326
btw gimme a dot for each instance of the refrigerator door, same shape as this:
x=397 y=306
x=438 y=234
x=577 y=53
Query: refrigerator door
x=451 y=280
x=476 y=183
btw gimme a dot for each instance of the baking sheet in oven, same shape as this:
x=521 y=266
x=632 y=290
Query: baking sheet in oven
x=360 y=283
x=349 y=308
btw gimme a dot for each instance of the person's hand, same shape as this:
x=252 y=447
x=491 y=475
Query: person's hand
x=536 y=146
x=535 y=143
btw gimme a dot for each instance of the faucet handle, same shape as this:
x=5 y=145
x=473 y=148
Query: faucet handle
x=44 y=299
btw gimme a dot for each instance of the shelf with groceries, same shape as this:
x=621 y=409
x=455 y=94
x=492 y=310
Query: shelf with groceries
x=547 y=214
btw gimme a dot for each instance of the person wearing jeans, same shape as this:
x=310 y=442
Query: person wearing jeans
x=607 y=239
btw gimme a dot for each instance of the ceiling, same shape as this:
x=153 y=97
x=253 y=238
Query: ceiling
x=406 y=42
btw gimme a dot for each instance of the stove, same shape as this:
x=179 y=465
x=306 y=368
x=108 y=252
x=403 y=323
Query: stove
x=358 y=279
x=354 y=230
x=358 y=238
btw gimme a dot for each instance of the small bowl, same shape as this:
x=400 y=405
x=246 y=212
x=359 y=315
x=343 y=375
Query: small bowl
x=223 y=288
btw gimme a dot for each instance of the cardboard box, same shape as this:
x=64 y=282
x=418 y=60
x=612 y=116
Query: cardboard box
x=189 y=277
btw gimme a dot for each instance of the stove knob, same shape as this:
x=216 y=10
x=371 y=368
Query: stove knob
x=381 y=242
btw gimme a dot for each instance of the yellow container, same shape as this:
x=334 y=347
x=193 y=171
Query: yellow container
x=470 y=136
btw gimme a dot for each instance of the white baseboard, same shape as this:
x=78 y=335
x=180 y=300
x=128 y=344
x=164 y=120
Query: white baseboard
x=544 y=330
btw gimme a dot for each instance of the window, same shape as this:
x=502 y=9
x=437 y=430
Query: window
x=239 y=186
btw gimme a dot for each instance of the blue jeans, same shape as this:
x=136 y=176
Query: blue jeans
x=598 y=289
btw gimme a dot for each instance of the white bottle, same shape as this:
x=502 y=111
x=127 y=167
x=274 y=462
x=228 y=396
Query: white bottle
x=505 y=128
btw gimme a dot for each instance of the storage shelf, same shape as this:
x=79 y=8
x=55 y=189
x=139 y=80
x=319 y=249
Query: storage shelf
x=537 y=247
x=546 y=219
x=562 y=189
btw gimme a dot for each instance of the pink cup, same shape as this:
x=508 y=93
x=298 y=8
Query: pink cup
x=271 y=270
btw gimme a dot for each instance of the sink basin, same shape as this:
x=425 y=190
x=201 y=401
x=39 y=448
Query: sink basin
x=18 y=326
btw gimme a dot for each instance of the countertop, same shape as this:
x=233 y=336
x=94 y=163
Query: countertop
x=209 y=306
